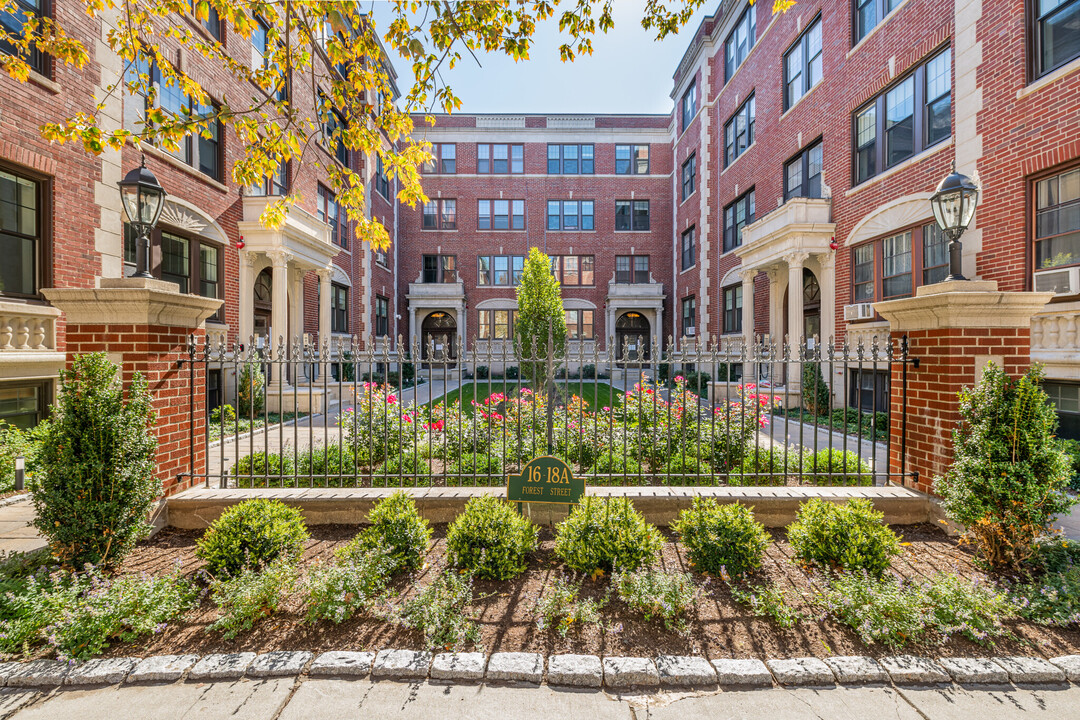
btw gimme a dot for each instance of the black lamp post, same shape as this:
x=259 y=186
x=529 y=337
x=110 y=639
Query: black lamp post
x=143 y=199
x=954 y=205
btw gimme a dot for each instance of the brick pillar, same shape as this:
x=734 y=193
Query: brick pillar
x=143 y=326
x=953 y=329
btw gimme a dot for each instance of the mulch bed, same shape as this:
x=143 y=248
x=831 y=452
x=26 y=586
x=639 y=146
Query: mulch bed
x=721 y=627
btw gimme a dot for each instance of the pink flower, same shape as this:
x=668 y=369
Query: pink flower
x=391 y=399
x=679 y=378
x=607 y=409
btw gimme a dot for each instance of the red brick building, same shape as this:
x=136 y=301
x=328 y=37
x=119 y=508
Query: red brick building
x=787 y=192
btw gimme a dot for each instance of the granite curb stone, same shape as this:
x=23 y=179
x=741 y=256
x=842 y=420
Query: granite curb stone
x=458 y=666
x=342 y=663
x=966 y=670
x=401 y=664
x=6 y=669
x=575 y=670
x=101 y=671
x=516 y=667
x=621 y=672
x=856 y=669
x=1070 y=664
x=39 y=673
x=681 y=670
x=743 y=673
x=908 y=669
x=162 y=668
x=224 y=666
x=1030 y=670
x=801 y=671
x=279 y=663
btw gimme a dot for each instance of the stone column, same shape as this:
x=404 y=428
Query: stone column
x=796 y=325
x=143 y=325
x=279 y=313
x=776 y=305
x=324 y=312
x=246 y=305
x=827 y=280
x=953 y=329
x=747 y=276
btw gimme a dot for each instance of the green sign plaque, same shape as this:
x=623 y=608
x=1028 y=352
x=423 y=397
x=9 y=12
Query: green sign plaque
x=545 y=479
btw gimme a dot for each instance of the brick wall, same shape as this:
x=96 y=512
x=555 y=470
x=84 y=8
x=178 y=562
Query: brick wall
x=155 y=351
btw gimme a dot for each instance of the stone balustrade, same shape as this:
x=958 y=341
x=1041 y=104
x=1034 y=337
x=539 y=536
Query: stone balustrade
x=27 y=328
x=1055 y=339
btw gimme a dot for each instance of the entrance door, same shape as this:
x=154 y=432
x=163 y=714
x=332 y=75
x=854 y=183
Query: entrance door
x=264 y=298
x=438 y=332
x=811 y=301
x=631 y=335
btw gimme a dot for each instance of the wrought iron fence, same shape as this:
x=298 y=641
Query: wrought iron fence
x=745 y=412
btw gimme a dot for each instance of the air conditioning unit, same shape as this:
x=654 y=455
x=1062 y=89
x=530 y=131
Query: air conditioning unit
x=691 y=331
x=306 y=339
x=1063 y=281
x=859 y=311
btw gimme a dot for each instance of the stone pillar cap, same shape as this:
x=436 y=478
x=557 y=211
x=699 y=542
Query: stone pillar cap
x=133 y=301
x=962 y=304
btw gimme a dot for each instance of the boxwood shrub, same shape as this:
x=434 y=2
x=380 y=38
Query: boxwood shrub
x=486 y=467
x=687 y=469
x=408 y=468
x=397 y=530
x=625 y=470
x=252 y=534
x=833 y=466
x=774 y=464
x=491 y=539
x=721 y=538
x=605 y=533
x=851 y=536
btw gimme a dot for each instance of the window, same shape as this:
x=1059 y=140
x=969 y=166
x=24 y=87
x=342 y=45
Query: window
x=440 y=214
x=382 y=182
x=868 y=13
x=1065 y=397
x=1056 y=33
x=574 y=269
x=737 y=216
x=570 y=215
x=339 y=308
x=334 y=135
x=1057 y=220
x=500 y=159
x=212 y=23
x=893 y=266
x=501 y=214
x=260 y=44
x=802 y=64
x=733 y=309
x=276 y=184
x=13 y=23
x=689 y=313
x=632 y=269
x=330 y=213
x=445 y=159
x=868 y=390
x=204 y=153
x=631 y=159
x=909 y=117
x=381 y=257
x=497 y=324
x=739 y=131
x=382 y=316
x=570 y=160
x=440 y=268
x=802 y=174
x=24 y=404
x=687 y=249
x=191 y=263
x=21 y=235
x=579 y=324
x=499 y=270
x=632 y=215
x=739 y=42
x=689 y=105
x=688 y=173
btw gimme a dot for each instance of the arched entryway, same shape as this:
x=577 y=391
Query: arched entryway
x=632 y=332
x=438 y=333
x=811 y=302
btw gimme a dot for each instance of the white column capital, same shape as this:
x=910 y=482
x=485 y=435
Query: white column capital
x=796 y=259
x=325 y=274
x=247 y=258
x=279 y=258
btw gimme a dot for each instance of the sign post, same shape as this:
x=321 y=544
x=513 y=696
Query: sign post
x=545 y=479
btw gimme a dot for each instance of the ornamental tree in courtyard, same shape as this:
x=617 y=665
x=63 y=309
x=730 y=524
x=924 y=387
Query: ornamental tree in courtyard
x=540 y=330
x=332 y=47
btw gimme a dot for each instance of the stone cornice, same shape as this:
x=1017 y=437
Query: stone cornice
x=962 y=304
x=131 y=301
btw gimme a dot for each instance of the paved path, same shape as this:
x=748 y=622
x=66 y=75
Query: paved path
x=16 y=533
x=286 y=699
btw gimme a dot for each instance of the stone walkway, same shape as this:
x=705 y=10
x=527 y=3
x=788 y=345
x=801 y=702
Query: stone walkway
x=334 y=699
x=16 y=533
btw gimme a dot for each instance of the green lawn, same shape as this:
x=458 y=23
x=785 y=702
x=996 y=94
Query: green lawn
x=596 y=394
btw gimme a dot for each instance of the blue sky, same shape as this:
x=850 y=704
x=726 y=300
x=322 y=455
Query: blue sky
x=628 y=72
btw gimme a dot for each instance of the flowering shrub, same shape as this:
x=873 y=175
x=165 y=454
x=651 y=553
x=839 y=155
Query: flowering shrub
x=439 y=612
x=766 y=600
x=377 y=425
x=561 y=607
x=346 y=585
x=251 y=595
x=667 y=596
x=731 y=430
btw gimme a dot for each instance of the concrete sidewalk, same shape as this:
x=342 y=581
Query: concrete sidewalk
x=330 y=699
x=16 y=532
